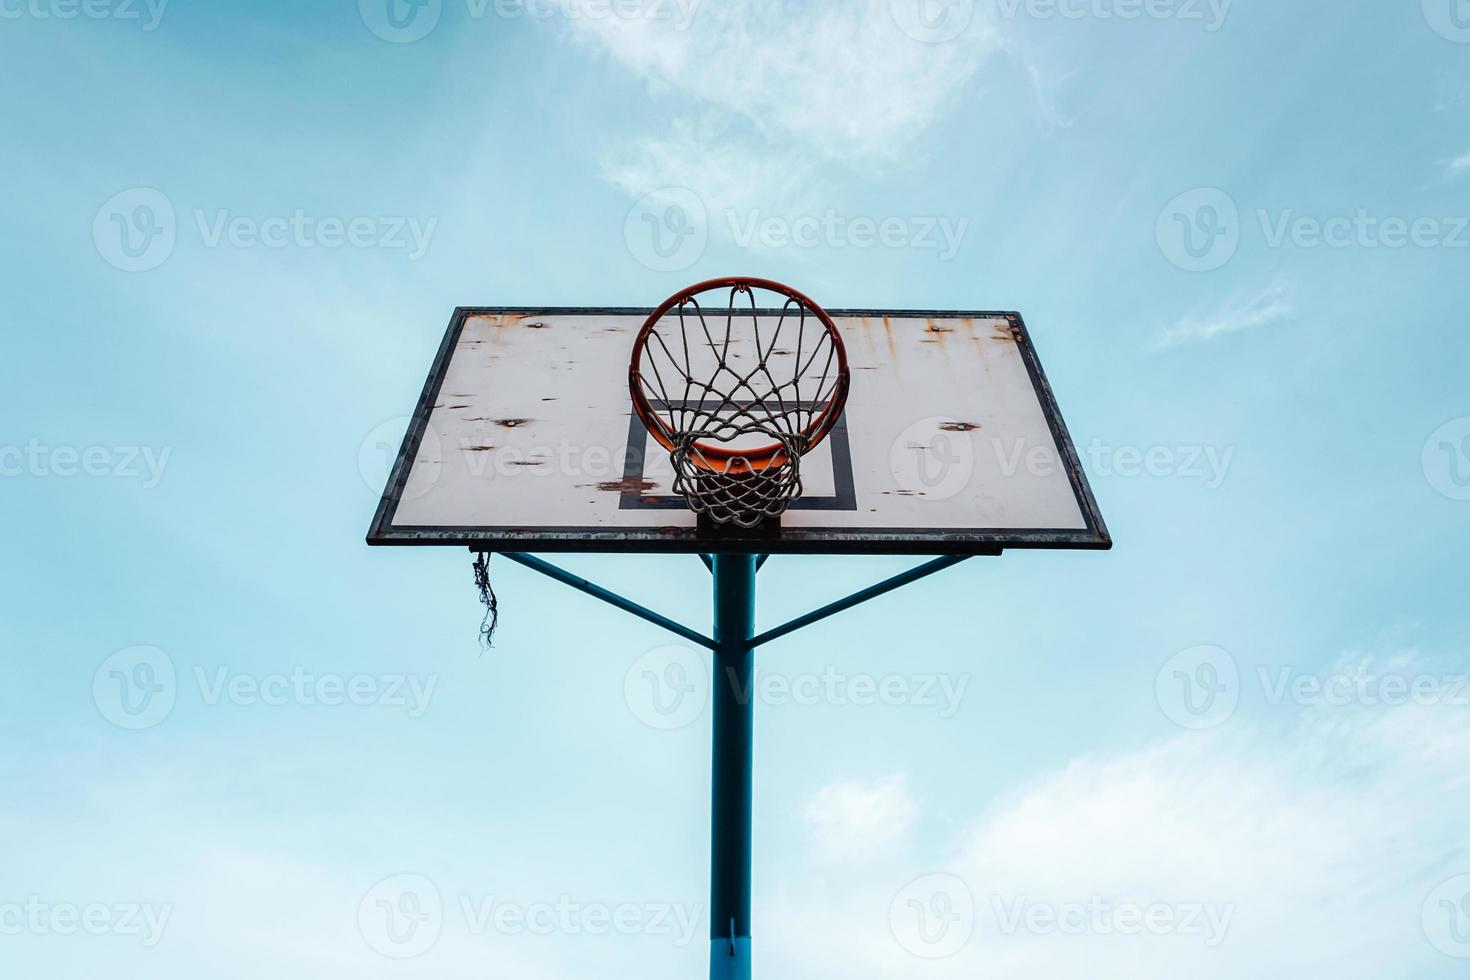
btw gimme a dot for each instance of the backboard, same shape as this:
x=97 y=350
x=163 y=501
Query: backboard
x=525 y=440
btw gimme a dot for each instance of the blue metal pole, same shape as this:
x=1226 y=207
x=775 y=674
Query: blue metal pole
x=734 y=584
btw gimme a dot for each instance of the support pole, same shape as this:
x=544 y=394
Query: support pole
x=734 y=586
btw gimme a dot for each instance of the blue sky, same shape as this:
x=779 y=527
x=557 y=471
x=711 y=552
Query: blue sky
x=1238 y=234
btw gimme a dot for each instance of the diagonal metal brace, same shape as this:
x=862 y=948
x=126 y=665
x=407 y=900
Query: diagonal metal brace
x=611 y=598
x=858 y=598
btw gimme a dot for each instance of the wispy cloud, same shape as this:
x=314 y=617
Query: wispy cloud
x=760 y=93
x=725 y=170
x=1235 y=316
x=1459 y=166
x=1315 y=840
x=852 y=820
x=838 y=78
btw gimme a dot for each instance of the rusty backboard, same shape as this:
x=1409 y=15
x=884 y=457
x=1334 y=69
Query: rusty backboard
x=525 y=440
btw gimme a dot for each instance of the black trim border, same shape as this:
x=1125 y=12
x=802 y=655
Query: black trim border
x=675 y=540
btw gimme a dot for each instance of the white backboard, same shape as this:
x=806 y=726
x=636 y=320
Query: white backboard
x=525 y=440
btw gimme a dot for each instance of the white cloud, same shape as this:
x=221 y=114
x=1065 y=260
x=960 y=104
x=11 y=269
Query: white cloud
x=852 y=821
x=1459 y=165
x=1266 y=307
x=1320 y=846
x=725 y=172
x=1310 y=846
x=841 y=79
x=762 y=93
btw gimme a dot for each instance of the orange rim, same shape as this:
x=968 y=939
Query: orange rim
x=764 y=457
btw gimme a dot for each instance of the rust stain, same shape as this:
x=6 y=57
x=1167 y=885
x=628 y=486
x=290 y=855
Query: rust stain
x=630 y=485
x=959 y=427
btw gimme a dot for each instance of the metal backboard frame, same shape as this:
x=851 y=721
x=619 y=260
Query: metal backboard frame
x=692 y=540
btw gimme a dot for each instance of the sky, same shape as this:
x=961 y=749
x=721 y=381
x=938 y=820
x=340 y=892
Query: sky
x=236 y=741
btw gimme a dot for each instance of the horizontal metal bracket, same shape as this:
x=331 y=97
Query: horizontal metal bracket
x=709 y=562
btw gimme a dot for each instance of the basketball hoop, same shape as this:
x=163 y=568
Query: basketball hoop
x=738 y=395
